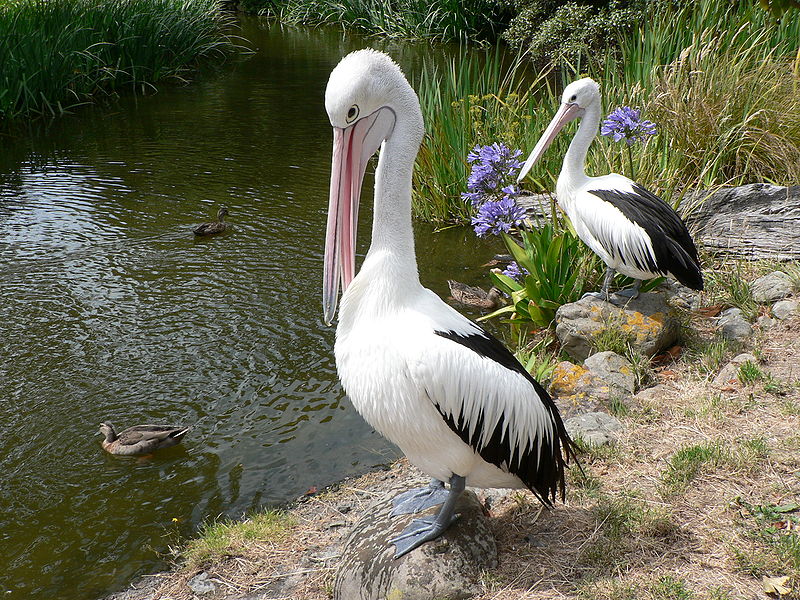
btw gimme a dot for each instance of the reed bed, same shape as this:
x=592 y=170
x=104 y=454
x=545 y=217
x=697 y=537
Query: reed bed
x=720 y=80
x=444 y=20
x=58 y=54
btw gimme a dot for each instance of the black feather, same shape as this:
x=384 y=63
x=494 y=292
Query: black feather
x=544 y=473
x=675 y=252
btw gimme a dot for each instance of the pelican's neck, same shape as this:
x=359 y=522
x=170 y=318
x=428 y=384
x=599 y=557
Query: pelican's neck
x=388 y=278
x=574 y=169
x=391 y=255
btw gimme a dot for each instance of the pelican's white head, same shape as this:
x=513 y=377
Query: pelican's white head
x=578 y=97
x=583 y=93
x=367 y=96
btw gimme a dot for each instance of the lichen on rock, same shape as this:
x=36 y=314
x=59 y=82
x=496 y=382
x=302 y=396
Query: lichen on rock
x=650 y=324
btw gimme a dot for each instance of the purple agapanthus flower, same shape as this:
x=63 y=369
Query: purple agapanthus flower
x=624 y=123
x=514 y=271
x=496 y=216
x=494 y=168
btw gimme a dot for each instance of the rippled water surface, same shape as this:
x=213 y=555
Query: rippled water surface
x=111 y=310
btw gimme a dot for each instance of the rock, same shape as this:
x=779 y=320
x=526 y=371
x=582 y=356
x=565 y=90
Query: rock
x=200 y=584
x=448 y=568
x=650 y=323
x=771 y=287
x=765 y=322
x=679 y=296
x=614 y=371
x=730 y=373
x=733 y=325
x=785 y=309
x=606 y=375
x=751 y=221
x=652 y=395
x=570 y=380
x=595 y=428
x=538 y=207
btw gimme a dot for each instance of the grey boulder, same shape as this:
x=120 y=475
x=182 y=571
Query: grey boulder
x=448 y=568
x=650 y=323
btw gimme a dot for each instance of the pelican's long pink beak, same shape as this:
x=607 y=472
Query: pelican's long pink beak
x=352 y=149
x=565 y=114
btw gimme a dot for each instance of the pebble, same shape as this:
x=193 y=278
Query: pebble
x=734 y=326
x=771 y=287
x=785 y=309
x=200 y=584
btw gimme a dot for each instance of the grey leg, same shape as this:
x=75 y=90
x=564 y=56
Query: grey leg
x=603 y=293
x=425 y=529
x=631 y=292
x=419 y=499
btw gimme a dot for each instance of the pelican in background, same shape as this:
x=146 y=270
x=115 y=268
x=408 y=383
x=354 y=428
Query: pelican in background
x=452 y=397
x=631 y=229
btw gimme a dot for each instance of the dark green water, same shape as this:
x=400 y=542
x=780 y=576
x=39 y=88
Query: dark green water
x=110 y=310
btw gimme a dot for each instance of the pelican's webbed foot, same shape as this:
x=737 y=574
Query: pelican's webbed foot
x=630 y=293
x=425 y=529
x=419 y=499
x=598 y=295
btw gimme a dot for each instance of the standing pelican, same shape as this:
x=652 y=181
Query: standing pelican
x=632 y=230
x=452 y=397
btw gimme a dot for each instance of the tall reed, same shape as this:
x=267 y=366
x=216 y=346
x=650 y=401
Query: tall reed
x=57 y=54
x=411 y=19
x=475 y=99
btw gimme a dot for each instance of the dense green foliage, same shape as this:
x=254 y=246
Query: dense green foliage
x=411 y=19
x=58 y=54
x=555 y=31
x=477 y=99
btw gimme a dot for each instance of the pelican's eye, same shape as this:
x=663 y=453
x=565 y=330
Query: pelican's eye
x=574 y=97
x=352 y=113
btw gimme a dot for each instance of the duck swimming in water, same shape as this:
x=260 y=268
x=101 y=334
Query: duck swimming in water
x=214 y=227
x=140 y=439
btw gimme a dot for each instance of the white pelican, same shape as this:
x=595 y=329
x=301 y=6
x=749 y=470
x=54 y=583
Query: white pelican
x=453 y=398
x=632 y=230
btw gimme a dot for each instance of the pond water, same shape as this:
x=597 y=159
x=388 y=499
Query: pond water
x=111 y=310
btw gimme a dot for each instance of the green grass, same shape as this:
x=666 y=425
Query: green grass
x=55 y=55
x=773 y=532
x=727 y=285
x=669 y=587
x=445 y=20
x=687 y=464
x=750 y=372
x=708 y=356
x=621 y=523
x=220 y=539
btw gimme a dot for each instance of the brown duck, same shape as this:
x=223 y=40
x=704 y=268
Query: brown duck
x=214 y=227
x=474 y=296
x=140 y=439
